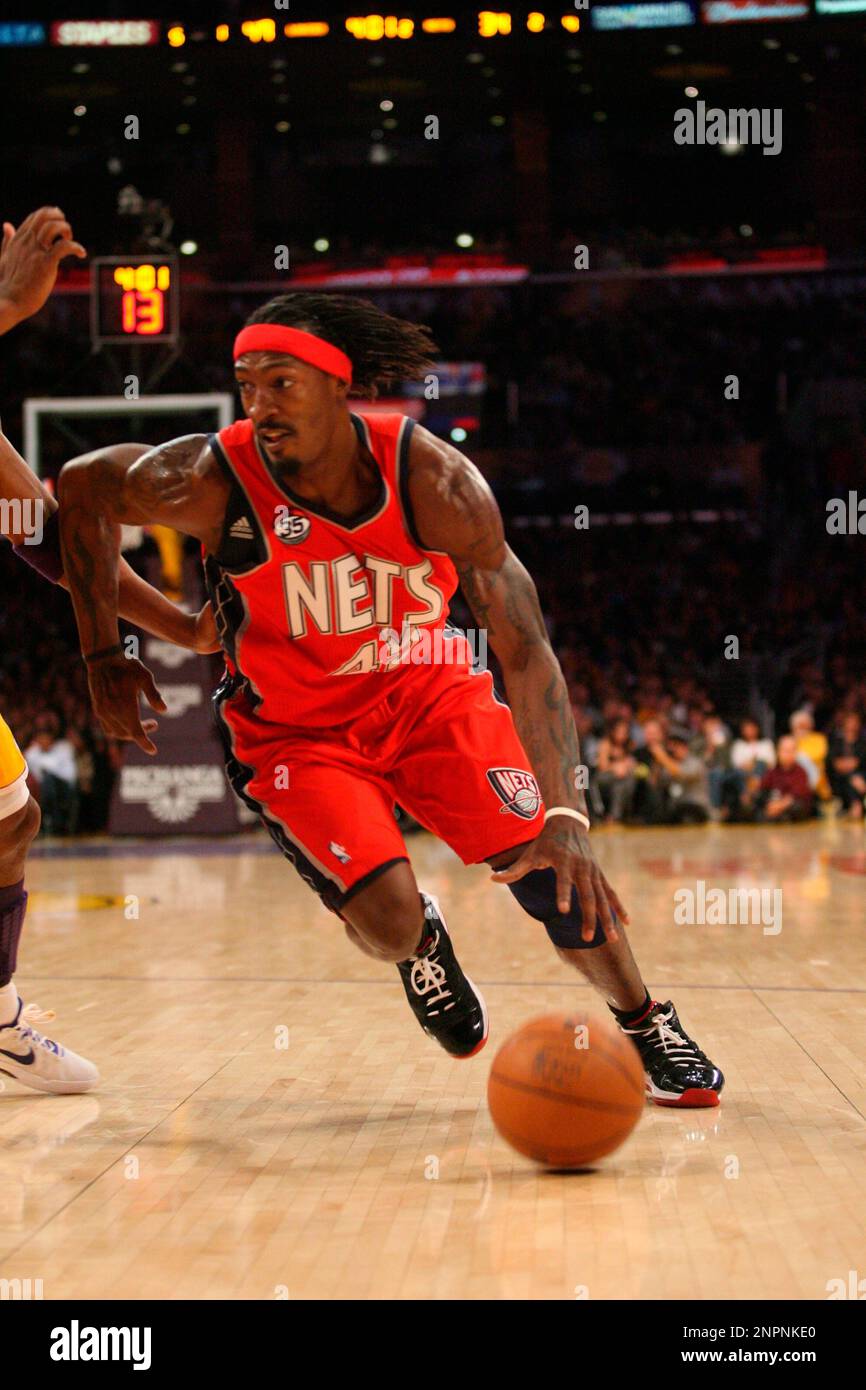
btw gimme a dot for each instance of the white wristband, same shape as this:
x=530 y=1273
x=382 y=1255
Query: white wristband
x=566 y=811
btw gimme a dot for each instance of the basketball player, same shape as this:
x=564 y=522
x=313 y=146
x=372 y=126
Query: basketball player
x=332 y=546
x=29 y=258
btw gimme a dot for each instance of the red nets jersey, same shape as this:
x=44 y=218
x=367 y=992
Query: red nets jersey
x=322 y=615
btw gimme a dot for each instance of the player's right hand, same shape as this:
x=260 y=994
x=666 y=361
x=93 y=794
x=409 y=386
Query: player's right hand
x=206 y=639
x=115 y=685
x=564 y=846
x=29 y=258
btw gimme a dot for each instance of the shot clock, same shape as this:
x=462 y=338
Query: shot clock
x=134 y=300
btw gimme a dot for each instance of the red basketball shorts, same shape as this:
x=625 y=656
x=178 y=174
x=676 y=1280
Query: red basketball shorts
x=443 y=747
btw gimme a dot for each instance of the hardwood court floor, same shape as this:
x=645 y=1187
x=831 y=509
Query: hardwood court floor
x=213 y=1162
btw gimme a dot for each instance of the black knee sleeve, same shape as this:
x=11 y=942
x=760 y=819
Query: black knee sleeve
x=536 y=893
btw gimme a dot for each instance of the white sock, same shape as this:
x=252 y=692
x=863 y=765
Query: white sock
x=8 y=1003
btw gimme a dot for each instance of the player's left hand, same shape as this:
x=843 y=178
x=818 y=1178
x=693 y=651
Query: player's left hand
x=29 y=258
x=564 y=846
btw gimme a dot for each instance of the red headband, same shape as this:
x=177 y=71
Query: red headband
x=276 y=337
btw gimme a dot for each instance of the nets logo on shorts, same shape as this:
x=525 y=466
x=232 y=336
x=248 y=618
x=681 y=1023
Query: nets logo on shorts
x=291 y=528
x=517 y=790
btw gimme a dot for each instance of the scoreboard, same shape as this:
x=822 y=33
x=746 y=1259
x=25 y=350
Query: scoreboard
x=134 y=300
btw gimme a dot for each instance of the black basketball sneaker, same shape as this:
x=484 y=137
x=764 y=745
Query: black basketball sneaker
x=677 y=1071
x=443 y=999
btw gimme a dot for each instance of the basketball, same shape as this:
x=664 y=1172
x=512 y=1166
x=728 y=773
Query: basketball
x=566 y=1089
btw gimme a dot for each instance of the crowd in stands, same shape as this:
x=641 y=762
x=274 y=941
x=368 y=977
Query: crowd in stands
x=612 y=247
x=660 y=772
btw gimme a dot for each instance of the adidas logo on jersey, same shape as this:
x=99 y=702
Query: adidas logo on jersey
x=241 y=530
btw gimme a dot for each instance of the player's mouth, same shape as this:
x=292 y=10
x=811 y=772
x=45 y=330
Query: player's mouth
x=274 y=437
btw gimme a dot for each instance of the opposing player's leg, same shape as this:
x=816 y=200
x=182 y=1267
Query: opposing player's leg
x=465 y=776
x=333 y=819
x=25 y=1055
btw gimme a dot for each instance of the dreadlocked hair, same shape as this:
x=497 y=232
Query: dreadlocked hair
x=382 y=348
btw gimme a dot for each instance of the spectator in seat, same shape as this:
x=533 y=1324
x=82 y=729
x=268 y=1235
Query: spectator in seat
x=51 y=760
x=689 y=784
x=811 y=748
x=615 y=771
x=751 y=757
x=650 y=799
x=784 y=793
x=713 y=746
x=751 y=754
x=676 y=787
x=847 y=766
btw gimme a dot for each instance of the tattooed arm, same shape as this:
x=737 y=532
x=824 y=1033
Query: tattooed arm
x=178 y=484
x=138 y=601
x=455 y=511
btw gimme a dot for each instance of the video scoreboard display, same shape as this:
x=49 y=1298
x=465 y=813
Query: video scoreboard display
x=134 y=300
x=495 y=24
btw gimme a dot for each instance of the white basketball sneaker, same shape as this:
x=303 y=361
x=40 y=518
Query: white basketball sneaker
x=38 y=1062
